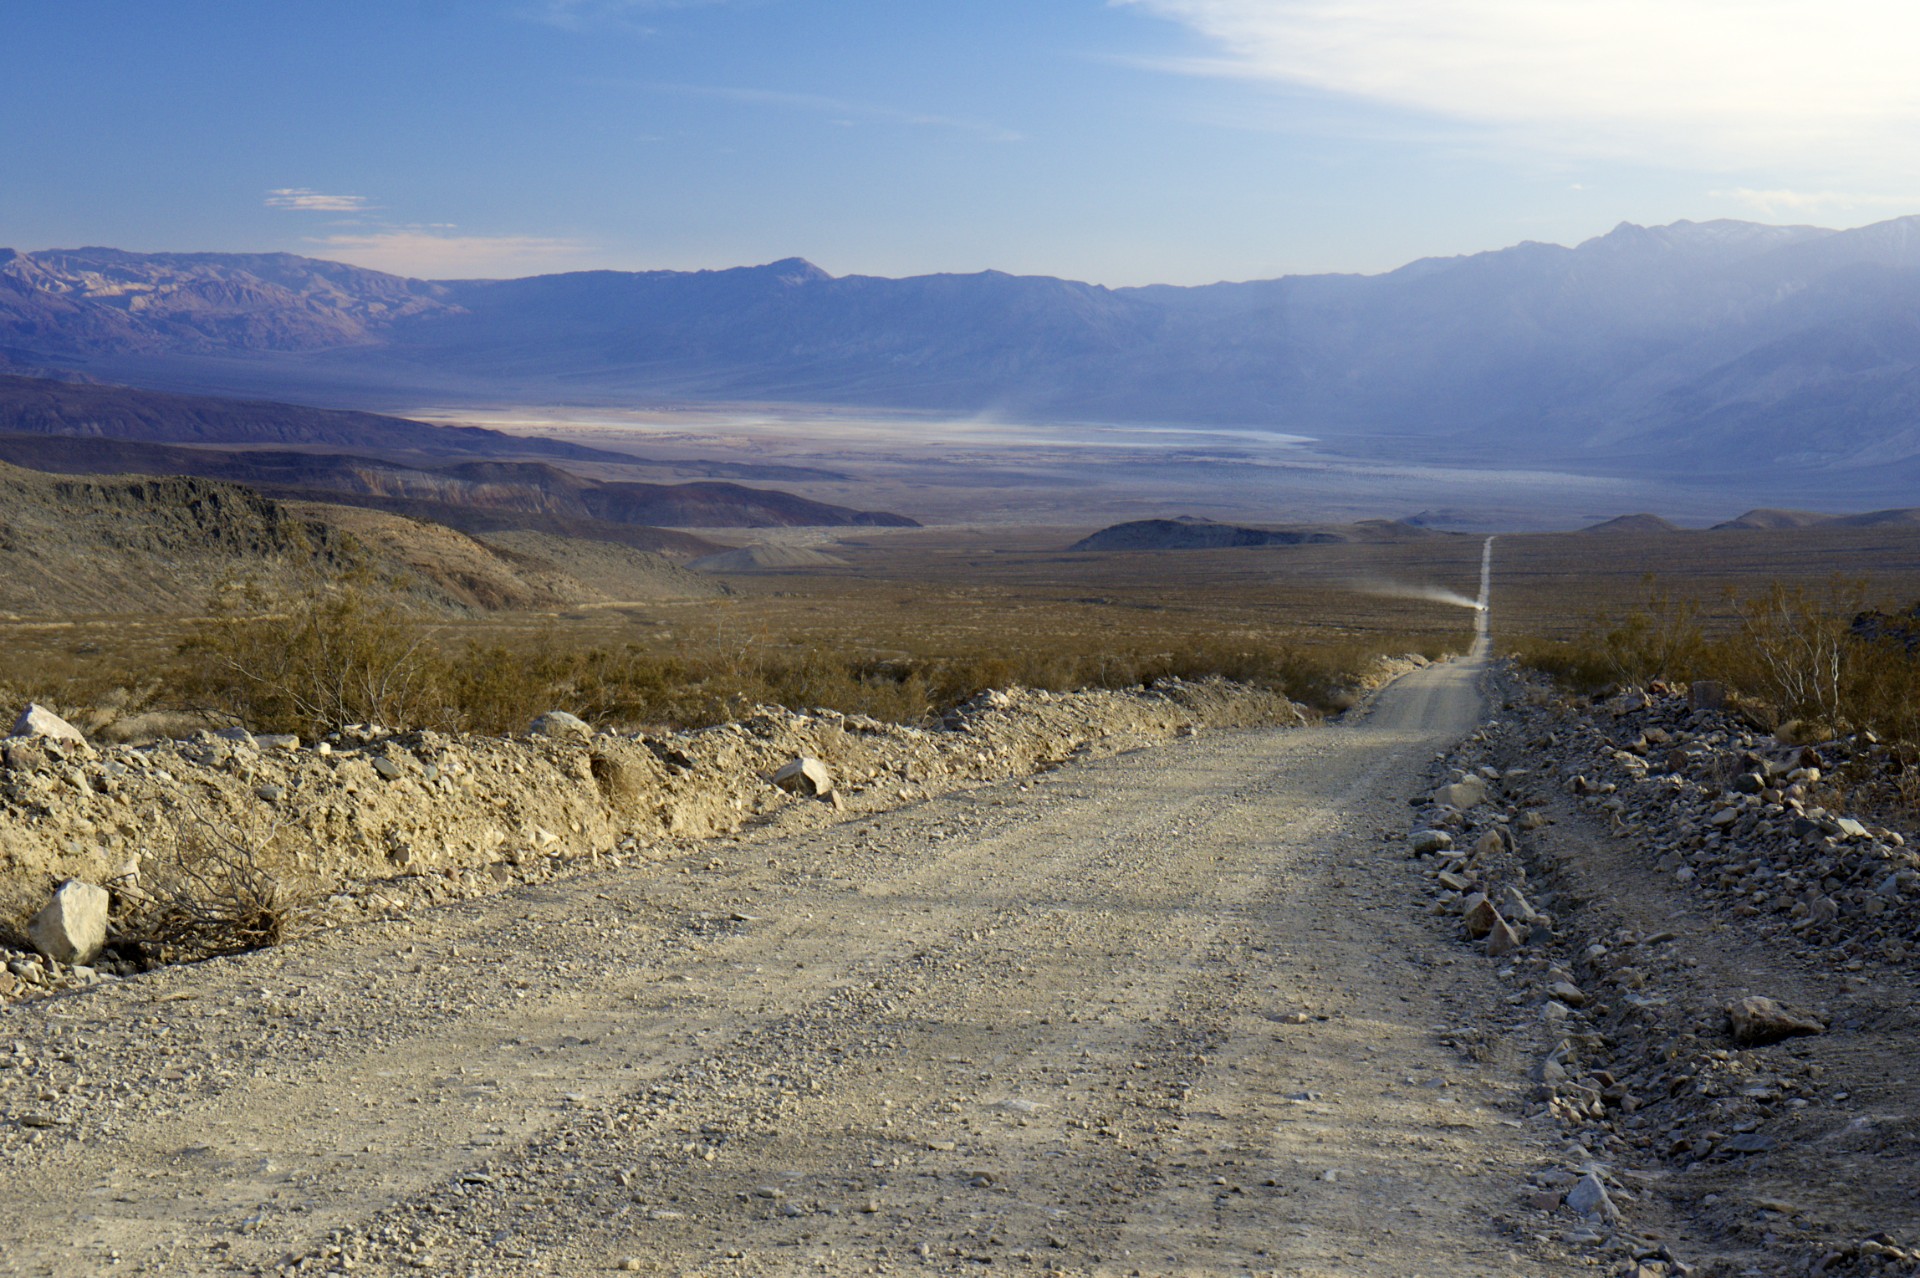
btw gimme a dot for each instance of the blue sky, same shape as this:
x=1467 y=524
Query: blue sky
x=1118 y=141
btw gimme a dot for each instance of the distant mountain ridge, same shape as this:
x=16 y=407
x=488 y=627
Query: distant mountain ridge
x=37 y=406
x=1750 y=349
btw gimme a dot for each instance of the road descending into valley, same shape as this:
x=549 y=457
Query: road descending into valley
x=1171 y=1012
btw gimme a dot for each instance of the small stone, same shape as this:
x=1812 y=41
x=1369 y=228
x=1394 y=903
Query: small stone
x=1427 y=842
x=1533 y=819
x=1569 y=993
x=1469 y=792
x=805 y=775
x=1479 y=916
x=271 y=793
x=1503 y=939
x=1453 y=882
x=1589 y=1197
x=1851 y=829
x=277 y=742
x=1756 y=1021
x=72 y=927
x=38 y=721
x=387 y=768
x=1516 y=906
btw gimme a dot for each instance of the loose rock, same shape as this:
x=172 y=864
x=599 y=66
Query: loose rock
x=561 y=726
x=805 y=775
x=1755 y=1021
x=1589 y=1197
x=38 y=721
x=72 y=927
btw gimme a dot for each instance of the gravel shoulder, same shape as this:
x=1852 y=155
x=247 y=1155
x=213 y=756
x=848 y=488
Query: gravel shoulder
x=1174 y=1011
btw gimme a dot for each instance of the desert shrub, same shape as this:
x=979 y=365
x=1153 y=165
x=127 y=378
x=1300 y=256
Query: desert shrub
x=1788 y=651
x=1793 y=651
x=312 y=661
x=226 y=886
x=1662 y=637
x=339 y=651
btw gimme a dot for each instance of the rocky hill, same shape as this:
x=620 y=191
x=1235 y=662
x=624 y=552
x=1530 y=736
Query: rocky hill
x=499 y=492
x=140 y=545
x=1770 y=519
x=1189 y=533
x=1641 y=523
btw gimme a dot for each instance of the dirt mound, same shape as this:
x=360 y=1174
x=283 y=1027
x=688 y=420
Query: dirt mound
x=760 y=558
x=439 y=815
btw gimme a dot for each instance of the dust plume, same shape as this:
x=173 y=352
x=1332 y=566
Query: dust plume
x=1398 y=590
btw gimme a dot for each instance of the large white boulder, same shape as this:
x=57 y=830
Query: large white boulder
x=38 y=721
x=72 y=927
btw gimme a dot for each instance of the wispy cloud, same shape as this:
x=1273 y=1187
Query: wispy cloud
x=1719 y=84
x=843 y=109
x=437 y=253
x=308 y=200
x=1790 y=203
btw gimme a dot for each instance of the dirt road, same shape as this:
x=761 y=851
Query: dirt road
x=1174 y=1012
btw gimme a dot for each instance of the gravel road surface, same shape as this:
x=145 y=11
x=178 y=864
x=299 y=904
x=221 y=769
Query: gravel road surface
x=1172 y=1012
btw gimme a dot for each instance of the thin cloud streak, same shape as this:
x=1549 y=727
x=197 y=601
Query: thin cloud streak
x=308 y=200
x=1775 y=203
x=428 y=254
x=1717 y=84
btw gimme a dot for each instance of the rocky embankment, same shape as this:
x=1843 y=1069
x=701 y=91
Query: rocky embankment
x=1712 y=974
x=372 y=822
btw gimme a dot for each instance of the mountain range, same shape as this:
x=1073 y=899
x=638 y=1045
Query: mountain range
x=1745 y=349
